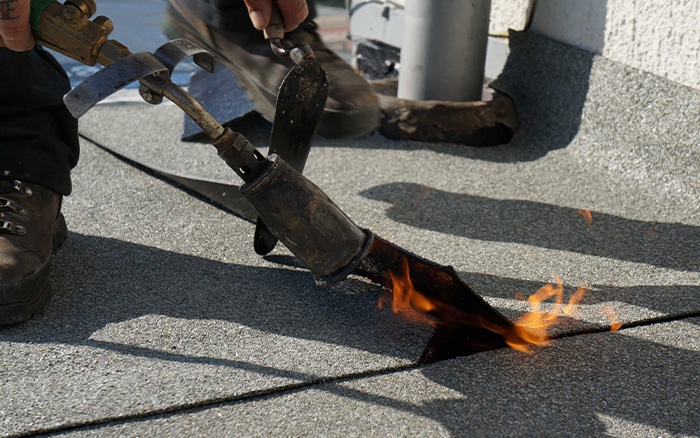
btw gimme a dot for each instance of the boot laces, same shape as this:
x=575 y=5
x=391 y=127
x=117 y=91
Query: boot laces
x=10 y=206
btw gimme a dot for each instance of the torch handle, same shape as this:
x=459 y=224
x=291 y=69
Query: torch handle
x=275 y=29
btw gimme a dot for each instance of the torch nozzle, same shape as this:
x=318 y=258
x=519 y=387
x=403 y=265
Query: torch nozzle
x=465 y=322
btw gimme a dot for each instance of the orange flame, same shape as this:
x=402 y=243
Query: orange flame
x=575 y=299
x=530 y=329
x=610 y=313
x=407 y=299
x=587 y=215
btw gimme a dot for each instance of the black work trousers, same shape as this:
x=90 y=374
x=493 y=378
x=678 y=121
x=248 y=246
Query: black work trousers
x=38 y=136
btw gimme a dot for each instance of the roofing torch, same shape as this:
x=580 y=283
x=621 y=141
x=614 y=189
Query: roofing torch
x=296 y=211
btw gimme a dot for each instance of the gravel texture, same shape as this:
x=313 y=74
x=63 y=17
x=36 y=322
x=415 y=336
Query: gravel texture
x=637 y=382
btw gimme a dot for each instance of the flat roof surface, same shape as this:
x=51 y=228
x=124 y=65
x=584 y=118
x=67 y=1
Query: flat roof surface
x=165 y=322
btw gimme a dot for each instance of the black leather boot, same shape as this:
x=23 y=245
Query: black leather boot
x=32 y=229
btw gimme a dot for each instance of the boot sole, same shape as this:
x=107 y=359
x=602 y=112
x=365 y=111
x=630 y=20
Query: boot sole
x=333 y=125
x=19 y=312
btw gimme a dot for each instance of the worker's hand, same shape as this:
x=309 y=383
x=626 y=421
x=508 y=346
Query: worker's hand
x=293 y=12
x=15 y=32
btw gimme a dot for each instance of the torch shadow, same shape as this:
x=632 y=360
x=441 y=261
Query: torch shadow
x=667 y=245
x=102 y=281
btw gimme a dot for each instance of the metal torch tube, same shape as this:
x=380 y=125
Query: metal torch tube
x=193 y=109
x=444 y=50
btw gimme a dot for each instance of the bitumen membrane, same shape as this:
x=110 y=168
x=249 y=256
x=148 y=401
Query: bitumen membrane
x=165 y=322
x=631 y=383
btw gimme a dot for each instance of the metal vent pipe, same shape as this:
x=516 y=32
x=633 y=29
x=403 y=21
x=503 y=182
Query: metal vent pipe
x=444 y=50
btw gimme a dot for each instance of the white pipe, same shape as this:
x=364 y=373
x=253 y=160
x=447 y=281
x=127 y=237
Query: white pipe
x=444 y=49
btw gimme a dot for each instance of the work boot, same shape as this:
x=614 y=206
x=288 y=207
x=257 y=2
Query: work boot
x=32 y=229
x=351 y=109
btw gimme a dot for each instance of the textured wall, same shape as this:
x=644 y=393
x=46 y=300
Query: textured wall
x=657 y=36
x=508 y=14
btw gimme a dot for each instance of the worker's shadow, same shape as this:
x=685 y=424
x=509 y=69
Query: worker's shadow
x=102 y=281
x=667 y=245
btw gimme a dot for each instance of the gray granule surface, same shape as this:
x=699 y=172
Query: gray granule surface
x=637 y=382
x=160 y=302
